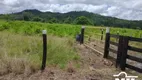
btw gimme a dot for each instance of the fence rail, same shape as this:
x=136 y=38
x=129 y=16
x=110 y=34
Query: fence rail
x=134 y=49
x=122 y=42
x=113 y=43
x=113 y=50
x=134 y=58
x=122 y=51
x=114 y=36
x=135 y=39
x=134 y=68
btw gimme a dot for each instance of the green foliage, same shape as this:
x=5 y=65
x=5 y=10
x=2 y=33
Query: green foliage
x=62 y=30
x=94 y=32
x=38 y=19
x=68 y=20
x=7 y=16
x=71 y=17
x=60 y=50
x=82 y=20
x=53 y=20
x=27 y=16
x=32 y=28
x=4 y=26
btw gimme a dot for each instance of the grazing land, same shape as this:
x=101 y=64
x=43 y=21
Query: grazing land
x=61 y=30
x=21 y=52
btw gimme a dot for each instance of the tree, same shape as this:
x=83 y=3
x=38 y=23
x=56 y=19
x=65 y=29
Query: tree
x=18 y=17
x=83 y=21
x=68 y=20
x=27 y=16
x=7 y=17
x=53 y=20
x=38 y=19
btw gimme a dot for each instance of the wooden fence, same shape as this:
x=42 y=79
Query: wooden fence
x=122 y=51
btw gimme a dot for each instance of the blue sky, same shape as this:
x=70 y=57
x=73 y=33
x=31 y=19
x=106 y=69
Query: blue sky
x=124 y=9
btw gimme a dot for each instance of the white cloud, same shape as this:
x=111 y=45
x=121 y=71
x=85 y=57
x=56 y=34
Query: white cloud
x=125 y=9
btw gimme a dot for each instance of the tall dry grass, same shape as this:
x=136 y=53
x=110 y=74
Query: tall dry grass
x=23 y=54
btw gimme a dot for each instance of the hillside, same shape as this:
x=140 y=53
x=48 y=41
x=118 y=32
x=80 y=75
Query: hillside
x=72 y=18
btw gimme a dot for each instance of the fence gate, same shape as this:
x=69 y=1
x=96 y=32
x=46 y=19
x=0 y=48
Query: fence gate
x=122 y=51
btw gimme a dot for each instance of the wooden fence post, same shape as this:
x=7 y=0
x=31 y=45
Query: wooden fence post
x=107 y=40
x=82 y=35
x=44 y=49
x=102 y=34
x=124 y=53
x=117 y=34
x=119 y=51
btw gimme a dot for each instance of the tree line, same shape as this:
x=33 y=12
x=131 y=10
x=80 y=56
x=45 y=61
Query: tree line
x=74 y=17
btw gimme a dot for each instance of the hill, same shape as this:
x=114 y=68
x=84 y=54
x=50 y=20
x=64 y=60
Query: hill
x=74 y=17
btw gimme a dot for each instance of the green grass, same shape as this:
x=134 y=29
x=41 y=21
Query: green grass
x=93 y=31
x=23 y=54
x=61 y=30
x=32 y=28
x=21 y=44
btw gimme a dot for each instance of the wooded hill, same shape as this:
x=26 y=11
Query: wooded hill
x=74 y=17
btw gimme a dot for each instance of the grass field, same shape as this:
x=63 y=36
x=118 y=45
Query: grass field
x=21 y=44
x=61 y=30
x=23 y=54
x=32 y=28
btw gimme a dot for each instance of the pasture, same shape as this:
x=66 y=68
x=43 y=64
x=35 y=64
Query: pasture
x=21 y=45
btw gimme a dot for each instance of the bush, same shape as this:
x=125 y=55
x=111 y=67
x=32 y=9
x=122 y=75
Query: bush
x=83 y=21
x=37 y=19
x=4 y=27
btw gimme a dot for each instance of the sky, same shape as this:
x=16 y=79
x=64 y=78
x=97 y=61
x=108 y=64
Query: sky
x=124 y=9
